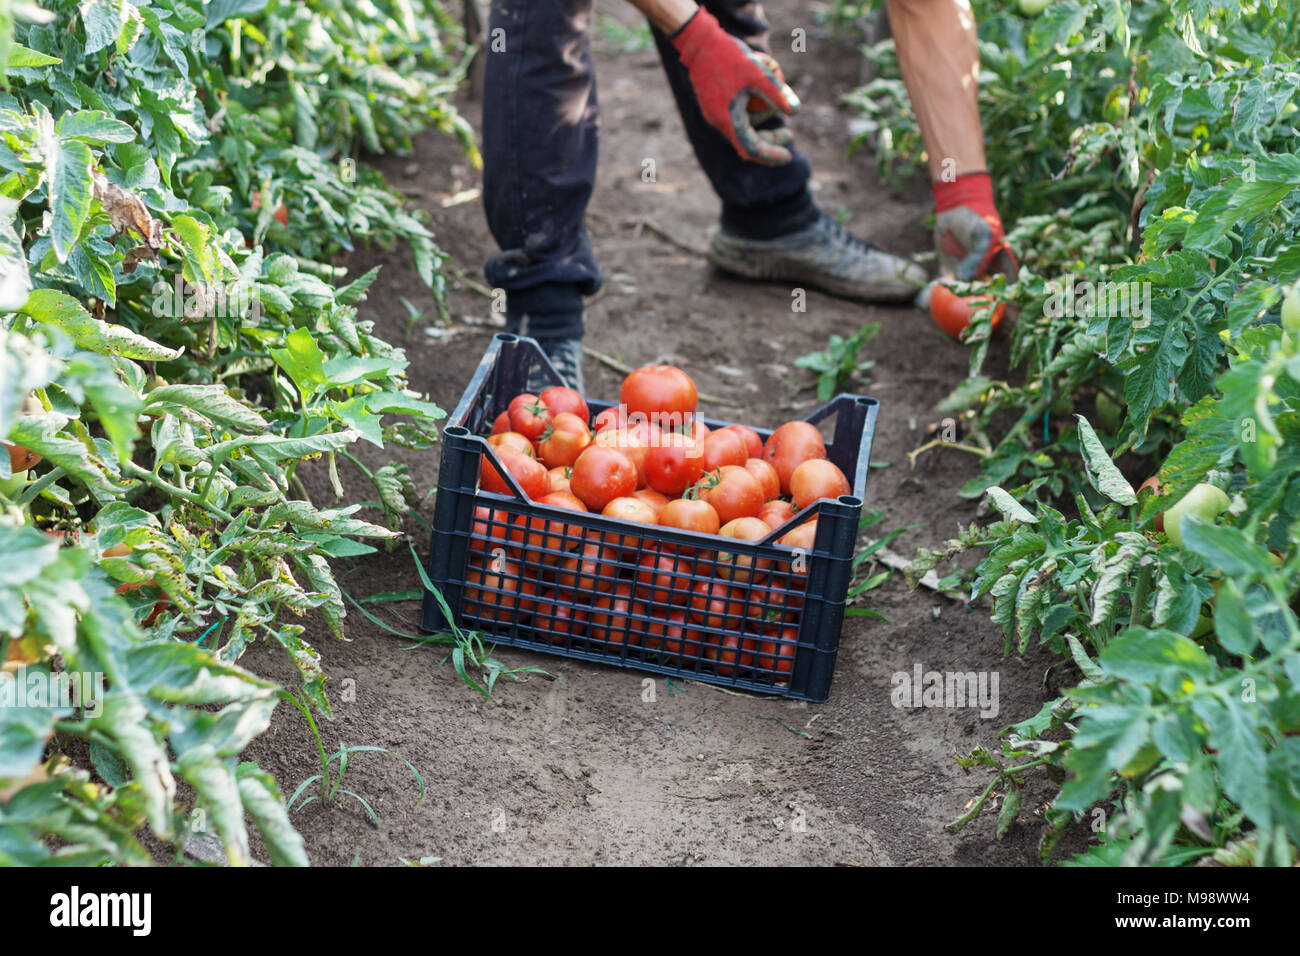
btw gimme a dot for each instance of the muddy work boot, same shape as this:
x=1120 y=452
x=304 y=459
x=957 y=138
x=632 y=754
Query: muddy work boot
x=566 y=356
x=825 y=256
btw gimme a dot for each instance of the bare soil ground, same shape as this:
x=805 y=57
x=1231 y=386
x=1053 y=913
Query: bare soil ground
x=581 y=769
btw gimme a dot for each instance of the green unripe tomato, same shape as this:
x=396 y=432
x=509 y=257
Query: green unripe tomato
x=1205 y=501
x=1110 y=413
x=1291 y=309
x=1032 y=8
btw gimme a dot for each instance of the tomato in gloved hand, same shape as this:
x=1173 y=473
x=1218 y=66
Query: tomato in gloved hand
x=726 y=74
x=952 y=312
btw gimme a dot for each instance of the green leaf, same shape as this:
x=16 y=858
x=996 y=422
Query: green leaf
x=196 y=239
x=211 y=401
x=1008 y=505
x=1243 y=764
x=24 y=552
x=63 y=311
x=217 y=12
x=1224 y=547
x=21 y=56
x=94 y=126
x=70 y=195
x=1102 y=473
x=1141 y=654
x=303 y=360
x=1107 y=739
x=261 y=798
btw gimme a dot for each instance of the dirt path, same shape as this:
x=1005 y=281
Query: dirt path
x=583 y=769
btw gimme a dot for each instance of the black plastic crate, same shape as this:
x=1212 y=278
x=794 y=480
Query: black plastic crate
x=767 y=617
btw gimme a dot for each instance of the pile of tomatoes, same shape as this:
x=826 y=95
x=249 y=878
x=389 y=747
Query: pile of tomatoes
x=649 y=462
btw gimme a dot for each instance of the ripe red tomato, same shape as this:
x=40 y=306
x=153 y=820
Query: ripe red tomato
x=515 y=440
x=776 y=513
x=544 y=539
x=629 y=444
x=563 y=440
x=776 y=601
x=656 y=501
x=664 y=393
x=559 y=478
x=802 y=539
x=753 y=444
x=723 y=447
x=600 y=475
x=742 y=567
x=560 y=398
x=776 y=654
x=729 y=652
x=733 y=492
x=952 y=312
x=490 y=533
x=628 y=509
x=815 y=479
x=718 y=605
x=690 y=516
x=662 y=578
x=501 y=423
x=610 y=620
x=766 y=476
x=495 y=590
x=674 y=464
x=697 y=430
x=790 y=446
x=671 y=634
x=614 y=417
x=529 y=473
x=529 y=416
x=558 y=618
x=1156 y=490
x=593 y=568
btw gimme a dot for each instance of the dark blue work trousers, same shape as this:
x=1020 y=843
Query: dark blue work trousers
x=540 y=121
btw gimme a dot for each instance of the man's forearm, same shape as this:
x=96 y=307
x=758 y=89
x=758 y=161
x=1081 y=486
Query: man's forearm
x=667 y=16
x=939 y=60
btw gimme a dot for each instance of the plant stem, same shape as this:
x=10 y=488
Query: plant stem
x=163 y=485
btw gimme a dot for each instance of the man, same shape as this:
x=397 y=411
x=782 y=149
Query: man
x=540 y=141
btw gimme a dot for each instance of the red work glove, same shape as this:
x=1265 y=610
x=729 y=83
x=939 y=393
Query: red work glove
x=968 y=230
x=725 y=74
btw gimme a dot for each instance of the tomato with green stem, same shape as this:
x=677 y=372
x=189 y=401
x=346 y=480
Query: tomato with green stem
x=529 y=416
x=564 y=440
x=733 y=492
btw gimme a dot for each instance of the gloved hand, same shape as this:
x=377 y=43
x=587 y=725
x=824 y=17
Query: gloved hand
x=725 y=74
x=968 y=230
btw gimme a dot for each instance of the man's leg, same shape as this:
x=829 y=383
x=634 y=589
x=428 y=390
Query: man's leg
x=770 y=226
x=539 y=165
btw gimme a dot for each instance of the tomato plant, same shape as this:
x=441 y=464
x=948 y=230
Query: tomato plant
x=187 y=354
